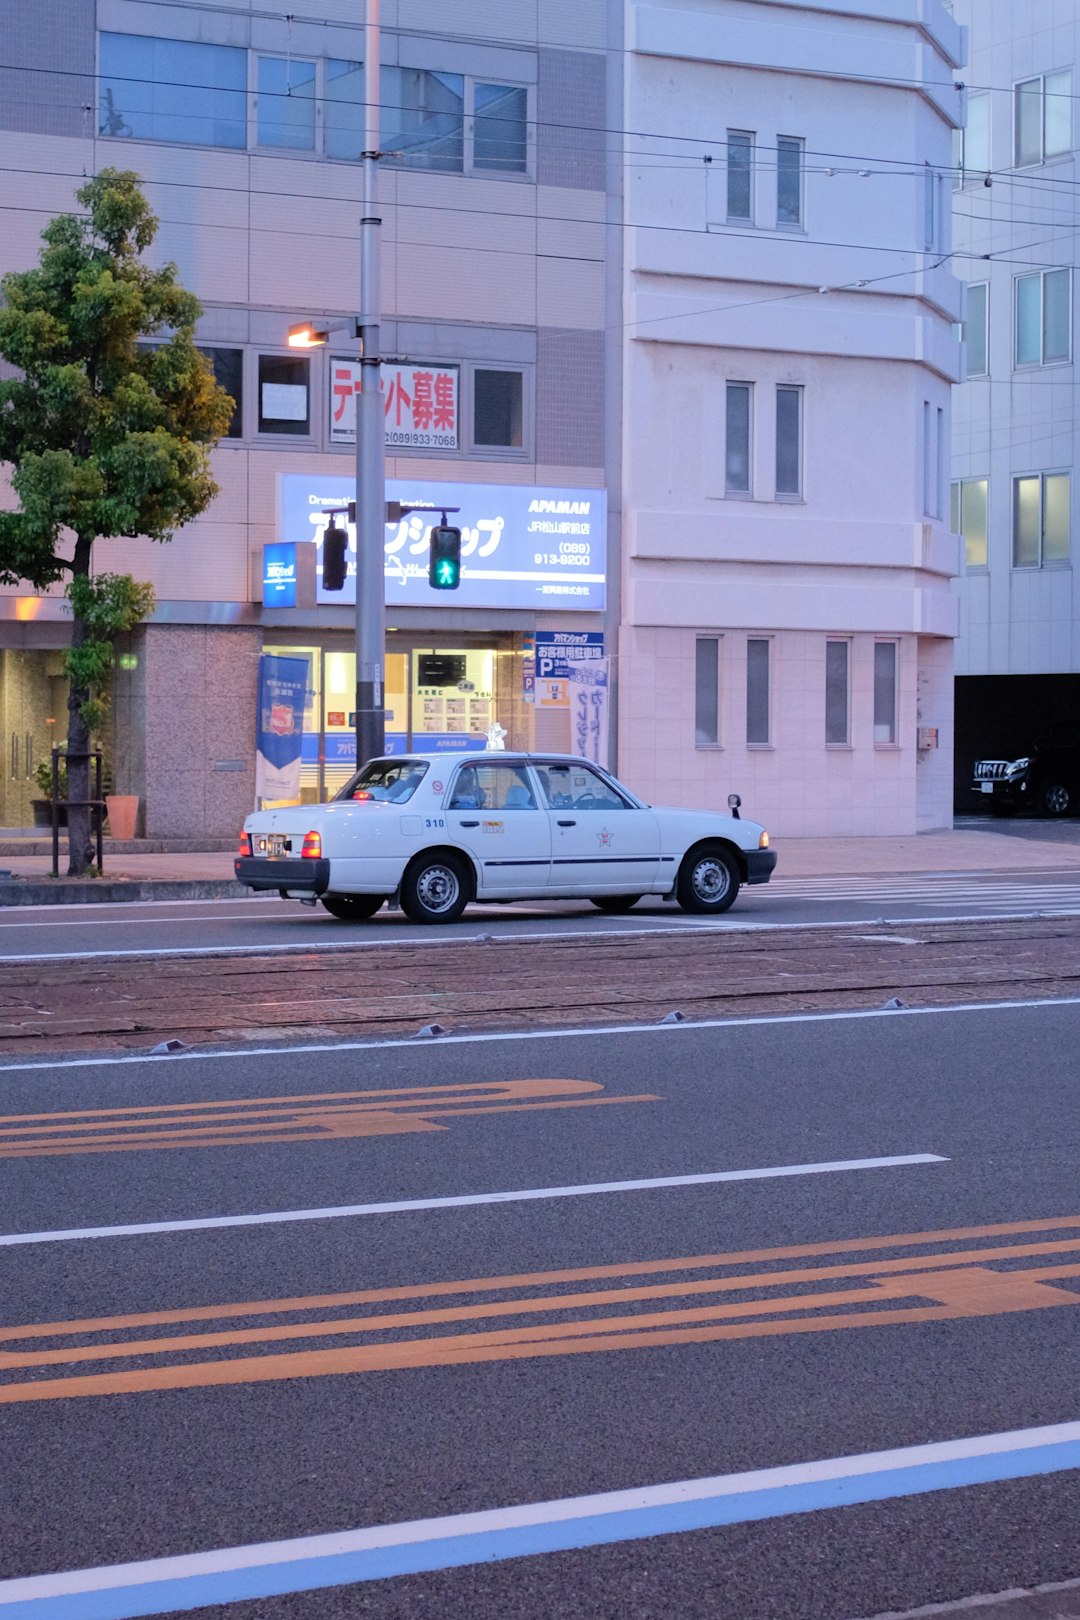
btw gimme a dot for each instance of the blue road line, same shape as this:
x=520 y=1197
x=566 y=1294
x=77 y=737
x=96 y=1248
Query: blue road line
x=489 y=1545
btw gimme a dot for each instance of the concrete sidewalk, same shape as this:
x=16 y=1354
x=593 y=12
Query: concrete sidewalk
x=1026 y=847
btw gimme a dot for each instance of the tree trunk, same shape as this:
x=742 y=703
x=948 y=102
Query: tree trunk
x=80 y=848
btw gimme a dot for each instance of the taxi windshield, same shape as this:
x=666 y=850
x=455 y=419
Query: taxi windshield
x=390 y=781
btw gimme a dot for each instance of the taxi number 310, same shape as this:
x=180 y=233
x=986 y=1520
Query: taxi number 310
x=434 y=821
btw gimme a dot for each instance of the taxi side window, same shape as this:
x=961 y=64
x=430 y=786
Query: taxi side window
x=576 y=787
x=492 y=787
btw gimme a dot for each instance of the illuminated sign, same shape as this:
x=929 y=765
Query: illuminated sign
x=279 y=575
x=539 y=549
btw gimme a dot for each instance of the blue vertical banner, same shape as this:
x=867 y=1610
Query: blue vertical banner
x=283 y=688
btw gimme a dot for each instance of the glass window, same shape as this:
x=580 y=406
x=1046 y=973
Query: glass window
x=737 y=440
x=578 y=787
x=707 y=692
x=740 y=159
x=969 y=519
x=929 y=206
x=172 y=90
x=757 y=690
x=286 y=103
x=492 y=787
x=343 y=110
x=1043 y=118
x=423 y=118
x=1043 y=317
x=788 y=441
x=390 y=781
x=1041 y=522
x=497 y=408
x=228 y=367
x=284 y=394
x=976 y=332
x=500 y=135
x=836 y=694
x=975 y=146
x=885 y=691
x=789 y=171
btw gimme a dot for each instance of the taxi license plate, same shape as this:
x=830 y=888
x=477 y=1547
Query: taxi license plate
x=276 y=844
x=986 y=787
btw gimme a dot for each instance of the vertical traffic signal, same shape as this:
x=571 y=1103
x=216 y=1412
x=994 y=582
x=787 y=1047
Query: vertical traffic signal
x=444 y=558
x=334 y=569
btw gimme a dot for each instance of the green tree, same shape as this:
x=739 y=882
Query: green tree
x=106 y=434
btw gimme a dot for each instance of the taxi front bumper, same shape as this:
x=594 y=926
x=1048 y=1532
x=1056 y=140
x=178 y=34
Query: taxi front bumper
x=759 y=865
x=283 y=876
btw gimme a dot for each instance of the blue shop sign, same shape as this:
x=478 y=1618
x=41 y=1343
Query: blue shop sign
x=279 y=575
x=557 y=649
x=522 y=547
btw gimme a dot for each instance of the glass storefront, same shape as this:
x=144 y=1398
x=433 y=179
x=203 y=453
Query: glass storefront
x=440 y=697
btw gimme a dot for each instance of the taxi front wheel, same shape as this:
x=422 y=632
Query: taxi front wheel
x=434 y=889
x=708 y=880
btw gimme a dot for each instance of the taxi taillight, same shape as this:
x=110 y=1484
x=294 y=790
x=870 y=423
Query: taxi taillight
x=312 y=846
x=245 y=843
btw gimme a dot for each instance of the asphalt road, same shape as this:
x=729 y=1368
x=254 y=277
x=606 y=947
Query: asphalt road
x=167 y=929
x=380 y=1366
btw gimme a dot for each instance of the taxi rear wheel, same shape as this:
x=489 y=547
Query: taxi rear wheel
x=434 y=889
x=708 y=880
x=614 y=902
x=352 y=907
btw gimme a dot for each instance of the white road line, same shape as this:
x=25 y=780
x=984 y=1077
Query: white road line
x=577 y=1032
x=465 y=1200
x=190 y=1581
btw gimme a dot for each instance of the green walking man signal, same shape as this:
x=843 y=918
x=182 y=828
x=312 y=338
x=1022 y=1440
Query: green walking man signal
x=444 y=558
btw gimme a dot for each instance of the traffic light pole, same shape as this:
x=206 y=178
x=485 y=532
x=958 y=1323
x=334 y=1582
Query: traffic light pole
x=370 y=443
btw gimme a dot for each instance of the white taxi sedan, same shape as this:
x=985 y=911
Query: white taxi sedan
x=433 y=832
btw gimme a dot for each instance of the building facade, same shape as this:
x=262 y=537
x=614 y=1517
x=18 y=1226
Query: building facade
x=1015 y=415
x=246 y=128
x=787 y=621
x=669 y=317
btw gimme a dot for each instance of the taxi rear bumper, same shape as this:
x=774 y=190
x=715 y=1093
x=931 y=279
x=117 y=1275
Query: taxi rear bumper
x=283 y=876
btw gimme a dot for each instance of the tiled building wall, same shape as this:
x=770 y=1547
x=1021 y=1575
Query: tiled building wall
x=46 y=81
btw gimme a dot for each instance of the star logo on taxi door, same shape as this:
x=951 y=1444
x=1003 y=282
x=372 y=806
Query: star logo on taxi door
x=605 y=839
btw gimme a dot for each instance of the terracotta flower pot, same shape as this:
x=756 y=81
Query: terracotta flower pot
x=123 y=811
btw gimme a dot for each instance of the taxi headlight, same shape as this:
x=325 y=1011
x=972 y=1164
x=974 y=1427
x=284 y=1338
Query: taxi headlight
x=763 y=841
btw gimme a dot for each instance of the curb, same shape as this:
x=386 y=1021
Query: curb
x=100 y=892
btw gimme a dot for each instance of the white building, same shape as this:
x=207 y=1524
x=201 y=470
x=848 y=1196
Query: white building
x=787 y=623
x=1015 y=417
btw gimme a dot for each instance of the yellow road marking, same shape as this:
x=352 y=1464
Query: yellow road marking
x=957 y=1280
x=314 y=1117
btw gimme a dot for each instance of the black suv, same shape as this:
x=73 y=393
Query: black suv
x=1046 y=780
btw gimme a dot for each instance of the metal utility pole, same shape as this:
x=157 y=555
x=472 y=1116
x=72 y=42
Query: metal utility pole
x=370 y=443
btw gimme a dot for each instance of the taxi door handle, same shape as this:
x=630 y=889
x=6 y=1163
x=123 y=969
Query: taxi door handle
x=470 y=824
x=567 y=823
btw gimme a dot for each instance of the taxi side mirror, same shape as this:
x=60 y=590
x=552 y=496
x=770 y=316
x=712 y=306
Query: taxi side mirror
x=733 y=803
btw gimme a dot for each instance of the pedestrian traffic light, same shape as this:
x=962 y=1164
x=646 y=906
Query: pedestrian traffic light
x=444 y=559
x=334 y=544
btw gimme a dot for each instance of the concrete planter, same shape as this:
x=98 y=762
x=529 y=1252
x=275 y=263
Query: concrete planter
x=123 y=813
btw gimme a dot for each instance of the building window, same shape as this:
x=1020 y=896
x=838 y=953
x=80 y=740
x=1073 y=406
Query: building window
x=789 y=441
x=971 y=145
x=285 y=107
x=740 y=169
x=284 y=394
x=789 y=180
x=1043 y=318
x=737 y=440
x=933 y=430
x=975 y=331
x=423 y=119
x=343 y=110
x=1042 y=110
x=1041 y=520
x=172 y=90
x=968 y=518
x=707 y=692
x=757 y=690
x=500 y=128
x=228 y=367
x=885 y=692
x=931 y=207
x=837 y=694
x=498 y=409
